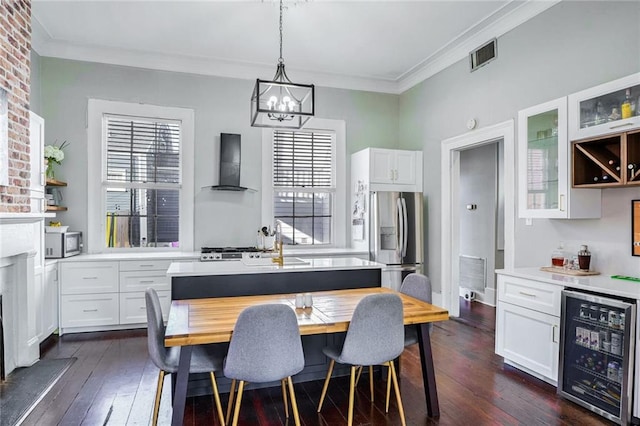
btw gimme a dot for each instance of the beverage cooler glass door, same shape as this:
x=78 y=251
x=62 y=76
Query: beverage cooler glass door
x=597 y=354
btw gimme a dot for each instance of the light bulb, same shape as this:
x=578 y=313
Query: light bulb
x=286 y=99
x=292 y=106
x=272 y=102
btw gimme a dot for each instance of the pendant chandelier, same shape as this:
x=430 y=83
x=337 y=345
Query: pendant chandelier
x=280 y=103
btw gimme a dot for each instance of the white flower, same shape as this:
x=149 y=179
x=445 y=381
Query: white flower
x=54 y=153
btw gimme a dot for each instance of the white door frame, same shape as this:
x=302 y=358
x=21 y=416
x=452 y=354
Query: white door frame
x=450 y=190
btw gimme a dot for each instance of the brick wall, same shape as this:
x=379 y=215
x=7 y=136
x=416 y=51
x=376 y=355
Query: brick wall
x=15 y=50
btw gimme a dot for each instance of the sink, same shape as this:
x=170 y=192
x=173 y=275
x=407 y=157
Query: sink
x=266 y=261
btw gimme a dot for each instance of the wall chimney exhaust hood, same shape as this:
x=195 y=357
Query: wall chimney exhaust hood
x=230 y=164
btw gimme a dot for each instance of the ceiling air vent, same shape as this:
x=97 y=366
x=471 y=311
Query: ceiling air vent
x=483 y=55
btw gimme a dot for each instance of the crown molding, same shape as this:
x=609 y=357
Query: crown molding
x=461 y=47
x=512 y=15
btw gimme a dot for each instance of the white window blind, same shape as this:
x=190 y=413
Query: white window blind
x=304 y=185
x=303 y=159
x=142 y=151
x=142 y=187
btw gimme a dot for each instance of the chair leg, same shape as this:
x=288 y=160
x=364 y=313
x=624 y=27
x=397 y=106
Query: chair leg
x=156 y=405
x=352 y=388
x=358 y=376
x=216 y=396
x=397 y=390
x=326 y=384
x=371 y=381
x=283 y=382
x=294 y=403
x=386 y=408
x=230 y=404
x=238 y=401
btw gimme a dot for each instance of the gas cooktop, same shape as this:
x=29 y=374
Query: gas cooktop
x=228 y=253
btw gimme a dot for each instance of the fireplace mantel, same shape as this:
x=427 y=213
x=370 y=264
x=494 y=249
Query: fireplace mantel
x=20 y=252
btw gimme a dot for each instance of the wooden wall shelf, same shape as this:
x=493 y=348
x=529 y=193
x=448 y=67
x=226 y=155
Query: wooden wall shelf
x=56 y=209
x=54 y=182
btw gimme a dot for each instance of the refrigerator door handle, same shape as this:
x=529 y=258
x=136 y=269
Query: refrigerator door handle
x=405 y=231
x=399 y=227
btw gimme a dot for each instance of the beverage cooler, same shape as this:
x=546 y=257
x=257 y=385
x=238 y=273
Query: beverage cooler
x=597 y=351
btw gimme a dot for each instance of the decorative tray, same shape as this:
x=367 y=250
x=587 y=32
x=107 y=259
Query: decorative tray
x=575 y=272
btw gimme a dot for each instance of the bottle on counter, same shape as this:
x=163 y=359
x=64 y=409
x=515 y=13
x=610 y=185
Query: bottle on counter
x=558 y=257
x=584 y=258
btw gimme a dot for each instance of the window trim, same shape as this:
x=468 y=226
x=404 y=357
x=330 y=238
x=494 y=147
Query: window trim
x=96 y=159
x=339 y=213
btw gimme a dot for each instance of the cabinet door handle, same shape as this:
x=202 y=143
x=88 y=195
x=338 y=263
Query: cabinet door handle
x=146 y=266
x=89 y=278
x=146 y=282
x=391 y=174
x=620 y=125
x=89 y=310
x=528 y=294
x=142 y=308
x=396 y=173
x=561 y=202
x=554 y=338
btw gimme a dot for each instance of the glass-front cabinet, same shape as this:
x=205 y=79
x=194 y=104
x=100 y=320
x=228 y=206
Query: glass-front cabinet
x=544 y=166
x=612 y=107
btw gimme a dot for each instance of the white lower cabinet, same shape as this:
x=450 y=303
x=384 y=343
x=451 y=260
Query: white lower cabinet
x=88 y=310
x=109 y=295
x=133 y=307
x=529 y=338
x=528 y=326
x=49 y=316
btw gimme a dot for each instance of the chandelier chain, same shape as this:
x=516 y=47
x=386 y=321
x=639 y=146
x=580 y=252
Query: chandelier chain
x=281 y=59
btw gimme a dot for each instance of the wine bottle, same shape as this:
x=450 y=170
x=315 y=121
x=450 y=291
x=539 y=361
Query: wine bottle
x=626 y=105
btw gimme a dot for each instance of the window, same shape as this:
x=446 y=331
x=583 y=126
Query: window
x=304 y=168
x=140 y=196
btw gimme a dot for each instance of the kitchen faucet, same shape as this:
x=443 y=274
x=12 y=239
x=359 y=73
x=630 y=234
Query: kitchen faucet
x=278 y=230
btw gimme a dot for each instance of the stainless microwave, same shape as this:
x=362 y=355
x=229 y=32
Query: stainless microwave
x=63 y=244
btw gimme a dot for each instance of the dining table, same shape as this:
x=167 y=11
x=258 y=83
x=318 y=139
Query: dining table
x=211 y=320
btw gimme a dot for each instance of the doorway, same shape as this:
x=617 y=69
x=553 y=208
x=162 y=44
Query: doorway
x=451 y=209
x=481 y=221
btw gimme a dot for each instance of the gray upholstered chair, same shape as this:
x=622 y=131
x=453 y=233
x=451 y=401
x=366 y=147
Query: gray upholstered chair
x=265 y=347
x=166 y=359
x=375 y=337
x=418 y=286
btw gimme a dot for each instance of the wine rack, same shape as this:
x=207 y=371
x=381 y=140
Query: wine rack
x=609 y=161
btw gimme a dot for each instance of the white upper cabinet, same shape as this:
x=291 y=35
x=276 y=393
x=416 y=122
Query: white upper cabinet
x=544 y=167
x=36 y=148
x=391 y=169
x=612 y=107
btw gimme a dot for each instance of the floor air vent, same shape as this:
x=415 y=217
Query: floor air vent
x=483 y=55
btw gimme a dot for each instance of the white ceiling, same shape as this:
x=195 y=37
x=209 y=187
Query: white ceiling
x=385 y=46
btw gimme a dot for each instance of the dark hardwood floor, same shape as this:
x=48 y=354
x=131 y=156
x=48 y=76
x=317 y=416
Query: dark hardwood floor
x=113 y=382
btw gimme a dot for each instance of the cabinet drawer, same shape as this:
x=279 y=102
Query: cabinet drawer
x=133 y=309
x=530 y=294
x=145 y=265
x=141 y=280
x=89 y=277
x=88 y=310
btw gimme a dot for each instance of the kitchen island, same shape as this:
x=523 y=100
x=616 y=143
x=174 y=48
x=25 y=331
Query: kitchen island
x=249 y=277
x=193 y=280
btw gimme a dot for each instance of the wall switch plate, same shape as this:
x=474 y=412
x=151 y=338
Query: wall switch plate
x=528 y=221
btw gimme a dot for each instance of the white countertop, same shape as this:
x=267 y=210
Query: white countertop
x=186 y=269
x=597 y=283
x=170 y=255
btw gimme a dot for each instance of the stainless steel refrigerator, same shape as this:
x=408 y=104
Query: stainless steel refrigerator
x=395 y=234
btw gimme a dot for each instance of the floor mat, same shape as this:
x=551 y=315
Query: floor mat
x=24 y=388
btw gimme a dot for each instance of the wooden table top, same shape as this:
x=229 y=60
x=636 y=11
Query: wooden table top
x=202 y=321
